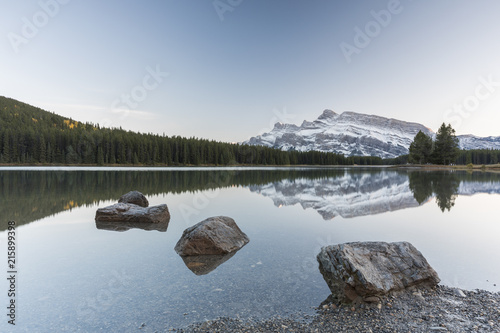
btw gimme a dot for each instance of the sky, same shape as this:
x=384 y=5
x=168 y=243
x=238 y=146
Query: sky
x=229 y=69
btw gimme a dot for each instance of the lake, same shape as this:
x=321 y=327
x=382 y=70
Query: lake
x=75 y=275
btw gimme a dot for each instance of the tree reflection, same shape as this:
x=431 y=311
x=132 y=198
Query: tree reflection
x=444 y=185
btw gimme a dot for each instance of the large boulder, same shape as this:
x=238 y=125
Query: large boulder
x=131 y=213
x=134 y=197
x=215 y=235
x=361 y=270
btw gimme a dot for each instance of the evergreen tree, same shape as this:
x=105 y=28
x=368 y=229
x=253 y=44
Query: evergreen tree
x=446 y=149
x=420 y=149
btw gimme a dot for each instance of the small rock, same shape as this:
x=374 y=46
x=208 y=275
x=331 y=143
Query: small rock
x=458 y=292
x=371 y=299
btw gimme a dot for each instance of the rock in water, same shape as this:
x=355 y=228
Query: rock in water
x=134 y=197
x=215 y=235
x=364 y=269
x=122 y=212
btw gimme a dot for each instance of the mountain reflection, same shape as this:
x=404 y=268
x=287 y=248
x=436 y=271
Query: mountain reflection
x=361 y=193
x=28 y=195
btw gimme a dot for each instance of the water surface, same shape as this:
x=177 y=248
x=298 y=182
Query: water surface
x=75 y=275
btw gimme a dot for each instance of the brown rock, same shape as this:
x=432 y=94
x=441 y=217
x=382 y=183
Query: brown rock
x=215 y=235
x=134 y=197
x=366 y=269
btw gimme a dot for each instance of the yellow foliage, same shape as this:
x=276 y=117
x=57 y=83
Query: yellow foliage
x=70 y=124
x=35 y=120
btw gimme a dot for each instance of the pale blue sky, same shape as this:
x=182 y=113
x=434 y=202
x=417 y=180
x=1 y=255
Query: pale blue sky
x=231 y=74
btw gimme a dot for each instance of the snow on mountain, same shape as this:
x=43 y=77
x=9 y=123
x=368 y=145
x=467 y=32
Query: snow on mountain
x=351 y=134
x=469 y=142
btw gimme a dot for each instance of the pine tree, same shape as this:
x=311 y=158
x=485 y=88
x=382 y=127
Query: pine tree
x=446 y=148
x=420 y=149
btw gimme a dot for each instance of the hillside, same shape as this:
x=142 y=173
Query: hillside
x=30 y=135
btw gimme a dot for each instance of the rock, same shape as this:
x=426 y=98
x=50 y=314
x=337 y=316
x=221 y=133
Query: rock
x=458 y=292
x=364 y=269
x=124 y=226
x=204 y=264
x=131 y=213
x=215 y=235
x=371 y=299
x=134 y=197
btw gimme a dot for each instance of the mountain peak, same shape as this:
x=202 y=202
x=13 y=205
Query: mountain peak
x=327 y=114
x=351 y=133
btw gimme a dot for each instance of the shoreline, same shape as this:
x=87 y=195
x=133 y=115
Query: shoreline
x=441 y=309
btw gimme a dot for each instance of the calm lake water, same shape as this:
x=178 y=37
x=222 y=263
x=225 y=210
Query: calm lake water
x=74 y=275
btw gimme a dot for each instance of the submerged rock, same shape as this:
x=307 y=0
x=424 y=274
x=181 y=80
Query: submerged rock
x=363 y=269
x=215 y=235
x=122 y=212
x=134 y=197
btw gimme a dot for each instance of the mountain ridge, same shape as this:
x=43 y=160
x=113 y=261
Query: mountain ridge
x=356 y=134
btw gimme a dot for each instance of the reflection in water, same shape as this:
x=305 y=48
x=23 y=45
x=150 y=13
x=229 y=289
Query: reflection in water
x=124 y=226
x=443 y=185
x=360 y=193
x=353 y=194
x=204 y=264
x=28 y=195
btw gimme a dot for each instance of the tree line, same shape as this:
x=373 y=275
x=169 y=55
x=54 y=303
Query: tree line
x=445 y=150
x=29 y=135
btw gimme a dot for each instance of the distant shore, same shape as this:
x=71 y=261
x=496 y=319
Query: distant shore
x=475 y=167
x=443 y=309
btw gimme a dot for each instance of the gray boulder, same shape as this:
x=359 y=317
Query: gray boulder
x=122 y=212
x=134 y=197
x=215 y=235
x=357 y=271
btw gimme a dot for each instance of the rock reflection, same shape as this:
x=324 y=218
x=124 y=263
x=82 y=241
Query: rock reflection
x=204 y=264
x=124 y=226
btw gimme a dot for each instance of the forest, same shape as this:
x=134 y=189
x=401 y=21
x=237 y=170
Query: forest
x=30 y=135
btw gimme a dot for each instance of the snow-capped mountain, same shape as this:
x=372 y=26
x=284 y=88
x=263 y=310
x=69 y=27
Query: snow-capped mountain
x=352 y=134
x=474 y=142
